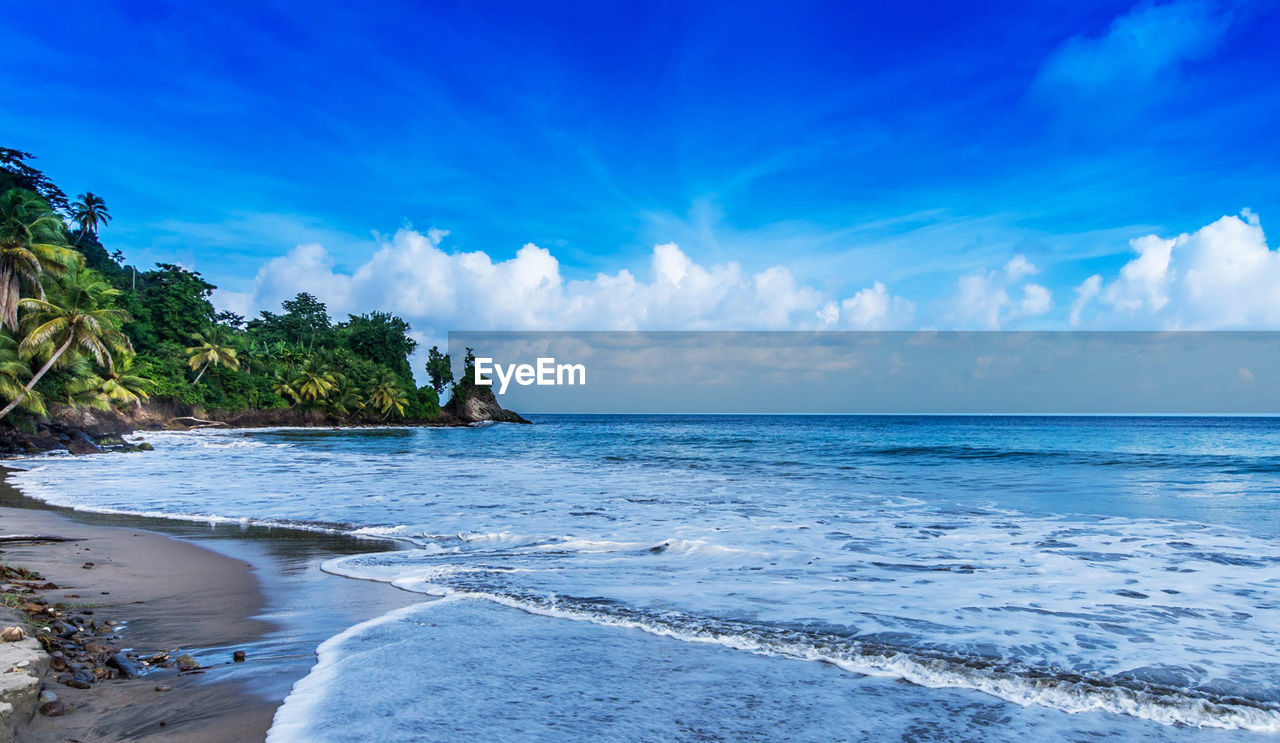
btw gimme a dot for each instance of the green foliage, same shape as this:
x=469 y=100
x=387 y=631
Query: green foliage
x=379 y=337
x=93 y=332
x=33 y=245
x=172 y=303
x=16 y=172
x=439 y=370
x=305 y=322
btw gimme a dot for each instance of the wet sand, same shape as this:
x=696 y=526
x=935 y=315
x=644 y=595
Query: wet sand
x=193 y=588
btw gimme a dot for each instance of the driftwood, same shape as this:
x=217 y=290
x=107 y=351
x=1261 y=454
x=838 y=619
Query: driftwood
x=192 y=422
x=11 y=538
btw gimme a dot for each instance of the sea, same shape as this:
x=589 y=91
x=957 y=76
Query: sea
x=763 y=578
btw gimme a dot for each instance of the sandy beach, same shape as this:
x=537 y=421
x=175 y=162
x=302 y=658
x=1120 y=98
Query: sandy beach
x=172 y=594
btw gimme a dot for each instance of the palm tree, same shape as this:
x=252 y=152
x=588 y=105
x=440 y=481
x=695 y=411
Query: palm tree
x=122 y=386
x=282 y=384
x=213 y=347
x=316 y=380
x=90 y=212
x=346 y=399
x=387 y=395
x=32 y=243
x=85 y=390
x=12 y=371
x=79 y=319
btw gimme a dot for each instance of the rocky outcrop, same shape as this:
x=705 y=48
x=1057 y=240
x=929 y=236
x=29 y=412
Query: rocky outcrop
x=80 y=431
x=479 y=405
x=23 y=664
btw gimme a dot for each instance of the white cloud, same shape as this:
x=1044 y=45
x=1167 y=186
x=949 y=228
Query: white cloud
x=983 y=300
x=874 y=308
x=413 y=276
x=1138 y=48
x=1220 y=276
x=1085 y=293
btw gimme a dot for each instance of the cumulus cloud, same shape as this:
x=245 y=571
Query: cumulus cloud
x=1221 y=276
x=1138 y=48
x=992 y=299
x=413 y=276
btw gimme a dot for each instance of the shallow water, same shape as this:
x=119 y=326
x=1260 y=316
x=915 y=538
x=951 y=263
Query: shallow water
x=1014 y=569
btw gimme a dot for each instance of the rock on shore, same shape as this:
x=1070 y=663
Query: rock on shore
x=22 y=665
x=479 y=406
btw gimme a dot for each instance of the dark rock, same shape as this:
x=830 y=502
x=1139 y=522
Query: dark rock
x=122 y=664
x=98 y=648
x=81 y=444
x=479 y=405
x=187 y=663
x=77 y=683
x=163 y=687
x=238 y=656
x=58 y=661
x=53 y=709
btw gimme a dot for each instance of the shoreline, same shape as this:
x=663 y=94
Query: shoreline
x=187 y=587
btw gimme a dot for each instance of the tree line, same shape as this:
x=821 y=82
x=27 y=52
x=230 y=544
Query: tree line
x=79 y=327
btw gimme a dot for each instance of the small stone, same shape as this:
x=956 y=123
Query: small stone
x=12 y=634
x=122 y=664
x=53 y=709
x=48 y=696
x=238 y=656
x=87 y=565
x=187 y=663
x=77 y=683
x=57 y=661
x=163 y=687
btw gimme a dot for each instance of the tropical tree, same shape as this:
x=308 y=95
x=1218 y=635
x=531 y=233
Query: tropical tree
x=388 y=395
x=316 y=380
x=13 y=370
x=79 y=317
x=346 y=399
x=121 y=385
x=85 y=388
x=439 y=369
x=90 y=212
x=213 y=347
x=282 y=383
x=32 y=243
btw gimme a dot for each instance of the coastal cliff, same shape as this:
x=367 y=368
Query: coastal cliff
x=474 y=404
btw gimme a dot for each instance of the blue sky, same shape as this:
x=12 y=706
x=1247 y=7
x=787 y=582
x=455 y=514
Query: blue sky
x=855 y=146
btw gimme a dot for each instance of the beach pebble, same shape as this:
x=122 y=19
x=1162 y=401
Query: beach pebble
x=48 y=696
x=75 y=683
x=53 y=709
x=12 y=634
x=187 y=663
x=122 y=664
x=163 y=687
x=238 y=656
x=87 y=565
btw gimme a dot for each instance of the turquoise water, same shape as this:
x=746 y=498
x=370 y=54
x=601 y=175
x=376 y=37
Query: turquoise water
x=766 y=578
